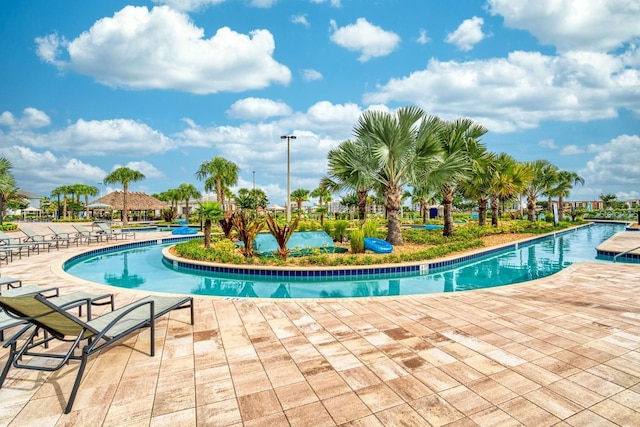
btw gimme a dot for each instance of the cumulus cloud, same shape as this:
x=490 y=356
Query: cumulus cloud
x=310 y=75
x=146 y=168
x=370 y=40
x=334 y=3
x=468 y=34
x=521 y=90
x=300 y=19
x=258 y=109
x=548 y=143
x=598 y=25
x=189 y=5
x=615 y=164
x=162 y=49
x=571 y=149
x=32 y=118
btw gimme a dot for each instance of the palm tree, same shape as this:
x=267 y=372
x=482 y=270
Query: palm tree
x=64 y=191
x=86 y=191
x=539 y=171
x=216 y=174
x=565 y=182
x=477 y=185
x=399 y=144
x=187 y=192
x=7 y=185
x=461 y=151
x=123 y=175
x=509 y=179
x=324 y=196
x=209 y=212
x=351 y=167
x=250 y=199
x=608 y=199
x=422 y=194
x=300 y=195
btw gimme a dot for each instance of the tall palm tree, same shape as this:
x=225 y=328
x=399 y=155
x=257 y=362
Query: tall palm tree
x=324 y=196
x=209 y=212
x=539 y=170
x=565 y=182
x=216 y=174
x=7 y=185
x=477 y=185
x=423 y=194
x=187 y=192
x=461 y=150
x=86 y=191
x=64 y=191
x=300 y=195
x=399 y=144
x=123 y=175
x=509 y=179
x=351 y=167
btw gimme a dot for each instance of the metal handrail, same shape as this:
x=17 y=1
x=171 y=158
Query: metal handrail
x=624 y=253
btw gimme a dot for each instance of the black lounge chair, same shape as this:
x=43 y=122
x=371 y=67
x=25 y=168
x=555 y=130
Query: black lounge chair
x=98 y=333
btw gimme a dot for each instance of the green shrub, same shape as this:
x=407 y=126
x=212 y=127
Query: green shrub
x=370 y=227
x=356 y=239
x=339 y=230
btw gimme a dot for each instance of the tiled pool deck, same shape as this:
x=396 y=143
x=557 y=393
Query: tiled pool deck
x=564 y=350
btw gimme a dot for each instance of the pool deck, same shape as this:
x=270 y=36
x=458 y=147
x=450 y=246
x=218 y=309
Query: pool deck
x=563 y=350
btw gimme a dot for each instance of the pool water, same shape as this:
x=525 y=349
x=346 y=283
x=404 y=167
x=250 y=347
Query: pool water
x=143 y=268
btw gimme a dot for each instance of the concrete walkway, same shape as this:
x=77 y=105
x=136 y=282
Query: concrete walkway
x=563 y=350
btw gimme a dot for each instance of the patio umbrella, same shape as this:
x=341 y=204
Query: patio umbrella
x=99 y=206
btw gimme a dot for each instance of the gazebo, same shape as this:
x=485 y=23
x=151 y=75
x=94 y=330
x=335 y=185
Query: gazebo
x=136 y=202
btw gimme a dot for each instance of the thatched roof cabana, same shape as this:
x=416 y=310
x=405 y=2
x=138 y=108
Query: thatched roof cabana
x=135 y=201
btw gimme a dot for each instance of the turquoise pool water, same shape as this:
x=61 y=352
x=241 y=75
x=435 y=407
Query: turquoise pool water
x=143 y=268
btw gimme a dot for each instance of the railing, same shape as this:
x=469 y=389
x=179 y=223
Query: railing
x=624 y=253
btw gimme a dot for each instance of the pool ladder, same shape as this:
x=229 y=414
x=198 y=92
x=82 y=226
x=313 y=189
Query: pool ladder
x=624 y=253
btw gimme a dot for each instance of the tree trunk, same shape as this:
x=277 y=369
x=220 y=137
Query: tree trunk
x=495 y=204
x=394 y=196
x=125 y=206
x=423 y=212
x=482 y=211
x=362 y=205
x=560 y=208
x=447 y=201
x=207 y=233
x=187 y=206
x=531 y=208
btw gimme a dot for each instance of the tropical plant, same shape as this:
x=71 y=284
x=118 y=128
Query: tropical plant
x=564 y=183
x=539 y=171
x=399 y=145
x=281 y=233
x=123 y=175
x=356 y=241
x=300 y=195
x=247 y=228
x=324 y=196
x=217 y=174
x=251 y=199
x=8 y=187
x=209 y=212
x=63 y=191
x=187 y=192
x=608 y=200
x=509 y=179
x=226 y=224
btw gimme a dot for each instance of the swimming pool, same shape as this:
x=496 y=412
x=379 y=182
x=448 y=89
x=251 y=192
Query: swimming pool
x=143 y=268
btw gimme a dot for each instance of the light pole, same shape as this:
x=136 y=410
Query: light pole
x=288 y=138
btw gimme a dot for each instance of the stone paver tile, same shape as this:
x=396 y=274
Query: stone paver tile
x=484 y=365
x=346 y=407
x=279 y=419
x=221 y=413
x=553 y=403
x=409 y=388
x=491 y=390
x=313 y=414
x=436 y=410
x=556 y=366
x=358 y=378
x=595 y=383
x=401 y=415
x=575 y=392
x=461 y=372
x=435 y=379
x=379 y=397
x=577 y=360
x=297 y=394
x=173 y=401
x=186 y=418
x=493 y=417
x=613 y=375
x=328 y=384
x=134 y=410
x=589 y=418
x=536 y=373
x=628 y=398
x=258 y=405
x=369 y=421
x=214 y=392
x=465 y=400
x=528 y=413
x=515 y=382
x=615 y=412
x=284 y=375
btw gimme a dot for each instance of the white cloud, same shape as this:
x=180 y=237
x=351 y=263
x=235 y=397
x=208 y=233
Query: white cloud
x=571 y=149
x=311 y=75
x=599 y=25
x=468 y=34
x=32 y=118
x=548 y=143
x=423 y=38
x=263 y=3
x=162 y=49
x=258 y=109
x=370 y=40
x=189 y=5
x=521 y=90
x=615 y=164
x=146 y=168
x=334 y=3
x=300 y=19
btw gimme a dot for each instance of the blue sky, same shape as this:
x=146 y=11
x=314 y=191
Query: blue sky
x=160 y=86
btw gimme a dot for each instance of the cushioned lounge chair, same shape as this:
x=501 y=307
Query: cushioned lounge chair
x=117 y=234
x=98 y=333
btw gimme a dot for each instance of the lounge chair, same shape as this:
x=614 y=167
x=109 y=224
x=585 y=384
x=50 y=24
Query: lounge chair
x=115 y=233
x=11 y=282
x=98 y=333
x=86 y=235
x=41 y=239
x=18 y=242
x=61 y=235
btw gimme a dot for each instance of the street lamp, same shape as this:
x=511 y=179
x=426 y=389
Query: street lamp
x=288 y=138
